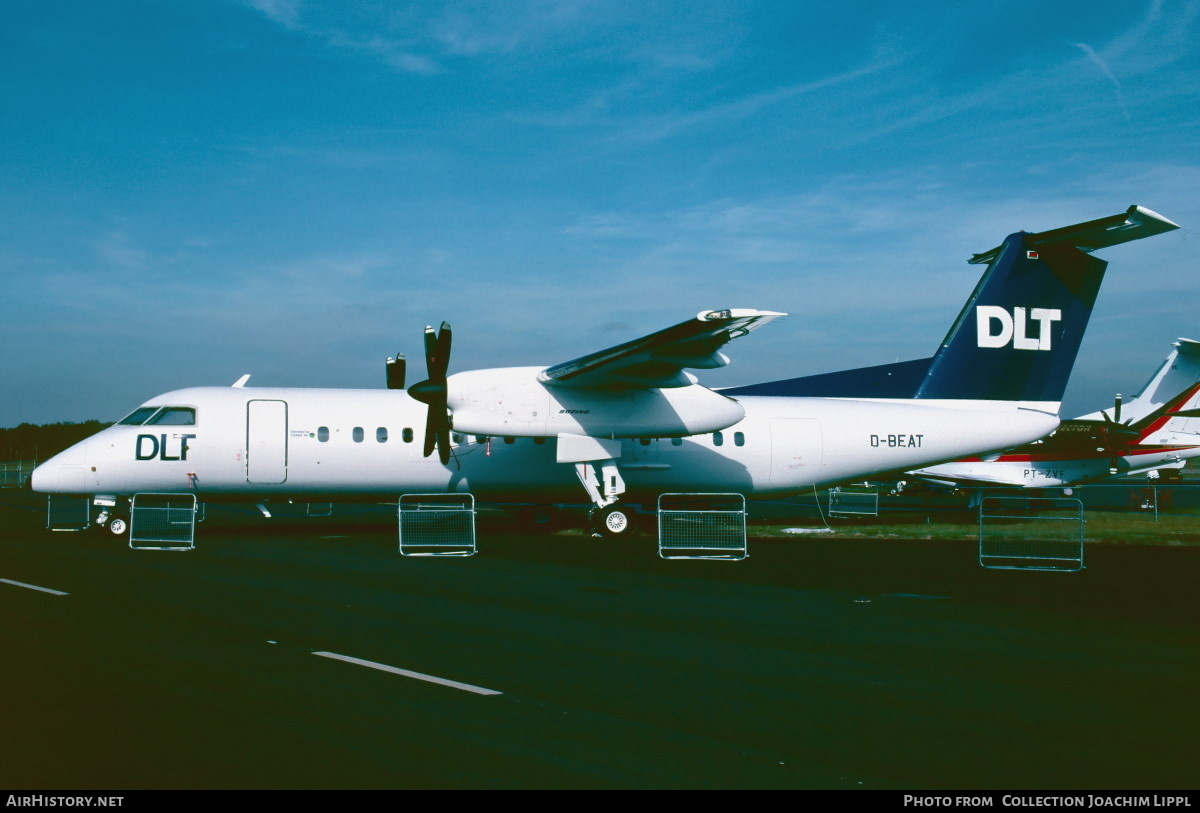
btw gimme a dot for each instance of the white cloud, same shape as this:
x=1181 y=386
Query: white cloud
x=116 y=248
x=284 y=12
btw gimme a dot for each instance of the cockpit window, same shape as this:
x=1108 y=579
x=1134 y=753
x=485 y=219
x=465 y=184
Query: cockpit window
x=174 y=416
x=160 y=416
x=138 y=416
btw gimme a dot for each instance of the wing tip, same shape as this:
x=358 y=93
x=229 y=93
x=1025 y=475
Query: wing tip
x=737 y=313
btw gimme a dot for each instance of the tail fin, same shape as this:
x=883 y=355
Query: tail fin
x=1019 y=333
x=1183 y=406
x=1179 y=370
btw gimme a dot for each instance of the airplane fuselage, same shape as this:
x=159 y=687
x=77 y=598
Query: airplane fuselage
x=1030 y=471
x=274 y=443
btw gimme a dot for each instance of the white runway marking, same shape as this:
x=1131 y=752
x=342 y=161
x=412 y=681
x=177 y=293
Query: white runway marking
x=34 y=587
x=383 y=667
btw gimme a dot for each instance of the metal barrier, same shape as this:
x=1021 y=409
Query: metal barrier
x=437 y=525
x=162 y=522
x=1024 y=533
x=68 y=512
x=702 y=526
x=318 y=509
x=853 y=503
x=15 y=474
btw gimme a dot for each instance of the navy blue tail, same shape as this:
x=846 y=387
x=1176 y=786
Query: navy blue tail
x=1018 y=335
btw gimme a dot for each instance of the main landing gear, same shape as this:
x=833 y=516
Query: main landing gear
x=604 y=484
x=612 y=520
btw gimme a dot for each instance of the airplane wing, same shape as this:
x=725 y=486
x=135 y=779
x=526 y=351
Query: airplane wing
x=658 y=360
x=950 y=480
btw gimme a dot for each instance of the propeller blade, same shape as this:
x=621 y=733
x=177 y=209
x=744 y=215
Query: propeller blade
x=433 y=392
x=430 y=349
x=443 y=443
x=430 y=431
x=395 y=372
x=442 y=353
x=1117 y=409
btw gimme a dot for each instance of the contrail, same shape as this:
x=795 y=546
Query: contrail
x=1103 y=66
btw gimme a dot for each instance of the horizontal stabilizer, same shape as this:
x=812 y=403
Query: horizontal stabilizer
x=1133 y=224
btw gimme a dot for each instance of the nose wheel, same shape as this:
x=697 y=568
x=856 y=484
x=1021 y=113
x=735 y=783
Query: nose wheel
x=114 y=523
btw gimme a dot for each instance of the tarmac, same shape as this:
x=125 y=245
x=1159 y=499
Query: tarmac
x=308 y=653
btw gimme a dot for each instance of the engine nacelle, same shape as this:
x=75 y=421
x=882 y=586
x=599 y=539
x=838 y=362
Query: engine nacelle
x=511 y=401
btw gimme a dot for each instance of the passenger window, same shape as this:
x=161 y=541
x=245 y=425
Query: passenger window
x=539 y=441
x=739 y=439
x=174 y=416
x=676 y=441
x=718 y=439
x=406 y=435
x=357 y=434
x=137 y=417
x=510 y=440
x=457 y=437
x=323 y=434
x=381 y=434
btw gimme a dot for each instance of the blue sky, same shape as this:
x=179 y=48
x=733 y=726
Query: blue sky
x=195 y=190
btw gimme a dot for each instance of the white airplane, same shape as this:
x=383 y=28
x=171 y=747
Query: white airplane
x=1160 y=433
x=628 y=423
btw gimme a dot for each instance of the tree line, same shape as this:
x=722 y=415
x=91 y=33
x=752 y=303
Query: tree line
x=42 y=441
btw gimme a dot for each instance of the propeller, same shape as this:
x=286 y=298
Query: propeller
x=432 y=392
x=1114 y=434
x=1114 y=428
x=1116 y=418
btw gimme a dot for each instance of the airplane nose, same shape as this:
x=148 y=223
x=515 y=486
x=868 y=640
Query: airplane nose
x=42 y=479
x=61 y=474
x=53 y=477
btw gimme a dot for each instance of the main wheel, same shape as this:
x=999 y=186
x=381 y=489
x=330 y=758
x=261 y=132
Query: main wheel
x=612 y=521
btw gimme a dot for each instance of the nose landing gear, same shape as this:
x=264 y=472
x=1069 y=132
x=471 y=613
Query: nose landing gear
x=112 y=521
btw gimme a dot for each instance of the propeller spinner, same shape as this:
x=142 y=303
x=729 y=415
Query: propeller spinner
x=433 y=392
